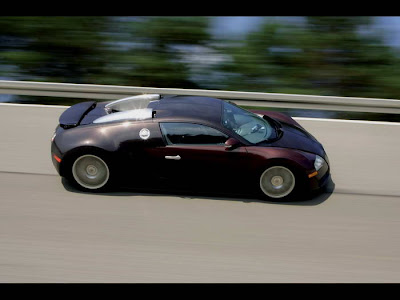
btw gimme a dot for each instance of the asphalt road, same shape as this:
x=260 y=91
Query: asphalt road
x=49 y=232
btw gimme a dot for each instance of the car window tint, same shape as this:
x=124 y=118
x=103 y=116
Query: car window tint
x=192 y=134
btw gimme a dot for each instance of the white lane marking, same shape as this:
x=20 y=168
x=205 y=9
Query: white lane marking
x=348 y=121
x=296 y=118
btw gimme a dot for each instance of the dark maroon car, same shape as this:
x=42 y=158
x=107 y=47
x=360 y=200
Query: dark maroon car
x=189 y=142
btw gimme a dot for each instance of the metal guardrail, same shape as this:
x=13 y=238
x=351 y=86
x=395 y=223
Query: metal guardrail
x=108 y=92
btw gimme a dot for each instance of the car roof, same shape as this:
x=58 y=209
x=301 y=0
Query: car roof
x=186 y=108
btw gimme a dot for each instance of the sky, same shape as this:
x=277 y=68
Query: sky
x=234 y=25
x=391 y=29
x=239 y=26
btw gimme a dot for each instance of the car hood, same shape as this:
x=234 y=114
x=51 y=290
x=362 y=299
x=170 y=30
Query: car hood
x=297 y=138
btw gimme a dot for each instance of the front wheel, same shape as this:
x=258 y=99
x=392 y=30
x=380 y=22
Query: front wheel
x=90 y=172
x=278 y=183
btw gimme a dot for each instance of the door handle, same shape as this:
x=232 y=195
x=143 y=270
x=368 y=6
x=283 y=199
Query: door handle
x=176 y=157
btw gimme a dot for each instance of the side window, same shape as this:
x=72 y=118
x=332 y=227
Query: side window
x=192 y=134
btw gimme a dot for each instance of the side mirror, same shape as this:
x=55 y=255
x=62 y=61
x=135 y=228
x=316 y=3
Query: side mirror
x=231 y=143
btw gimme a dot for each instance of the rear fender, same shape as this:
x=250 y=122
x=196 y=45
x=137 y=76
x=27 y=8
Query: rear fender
x=103 y=137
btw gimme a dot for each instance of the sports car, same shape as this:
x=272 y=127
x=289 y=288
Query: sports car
x=154 y=141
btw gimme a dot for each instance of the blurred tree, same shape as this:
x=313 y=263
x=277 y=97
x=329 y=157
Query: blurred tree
x=325 y=56
x=339 y=56
x=345 y=62
x=157 y=46
x=268 y=60
x=58 y=49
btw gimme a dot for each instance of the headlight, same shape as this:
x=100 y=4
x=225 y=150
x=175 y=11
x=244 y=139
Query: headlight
x=319 y=162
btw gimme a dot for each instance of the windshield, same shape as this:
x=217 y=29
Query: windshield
x=250 y=126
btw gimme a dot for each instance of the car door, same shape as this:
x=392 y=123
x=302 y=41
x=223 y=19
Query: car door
x=195 y=156
x=137 y=159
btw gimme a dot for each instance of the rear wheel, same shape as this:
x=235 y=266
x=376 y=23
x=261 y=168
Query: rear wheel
x=278 y=183
x=90 y=172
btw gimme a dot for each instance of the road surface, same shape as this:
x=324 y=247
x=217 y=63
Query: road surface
x=50 y=232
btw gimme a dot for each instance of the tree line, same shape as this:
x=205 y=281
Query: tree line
x=333 y=56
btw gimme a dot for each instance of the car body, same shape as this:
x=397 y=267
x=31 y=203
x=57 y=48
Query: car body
x=154 y=141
